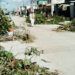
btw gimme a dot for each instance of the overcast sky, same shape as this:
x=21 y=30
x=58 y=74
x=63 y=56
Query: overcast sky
x=12 y=4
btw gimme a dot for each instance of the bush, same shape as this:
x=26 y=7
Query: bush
x=73 y=22
x=27 y=19
x=67 y=26
x=11 y=66
x=72 y=28
x=4 y=23
x=56 y=19
x=40 y=19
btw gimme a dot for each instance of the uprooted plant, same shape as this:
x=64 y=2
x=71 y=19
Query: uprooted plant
x=67 y=26
x=24 y=35
x=11 y=66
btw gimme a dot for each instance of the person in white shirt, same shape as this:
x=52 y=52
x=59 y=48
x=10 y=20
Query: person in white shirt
x=32 y=18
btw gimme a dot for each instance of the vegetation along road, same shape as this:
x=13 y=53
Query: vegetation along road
x=59 y=47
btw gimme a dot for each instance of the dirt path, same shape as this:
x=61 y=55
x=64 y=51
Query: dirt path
x=59 y=47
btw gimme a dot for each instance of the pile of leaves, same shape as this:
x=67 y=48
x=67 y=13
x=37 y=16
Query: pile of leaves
x=11 y=66
x=67 y=26
x=4 y=23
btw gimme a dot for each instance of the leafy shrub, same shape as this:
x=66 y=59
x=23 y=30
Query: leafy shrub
x=24 y=35
x=11 y=66
x=67 y=26
x=27 y=19
x=40 y=19
x=72 y=28
x=73 y=22
x=56 y=19
x=4 y=23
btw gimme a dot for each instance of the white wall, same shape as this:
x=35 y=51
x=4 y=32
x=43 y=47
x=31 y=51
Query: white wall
x=53 y=2
x=57 y=1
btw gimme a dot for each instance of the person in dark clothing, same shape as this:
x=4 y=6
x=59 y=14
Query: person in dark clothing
x=28 y=12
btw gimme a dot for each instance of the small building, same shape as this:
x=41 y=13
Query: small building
x=70 y=8
x=67 y=7
x=50 y=3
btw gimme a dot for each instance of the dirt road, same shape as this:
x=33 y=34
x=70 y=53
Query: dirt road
x=59 y=47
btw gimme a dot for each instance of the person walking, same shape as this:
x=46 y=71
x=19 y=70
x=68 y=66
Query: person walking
x=32 y=18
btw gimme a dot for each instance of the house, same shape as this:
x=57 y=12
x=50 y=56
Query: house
x=50 y=3
x=68 y=6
